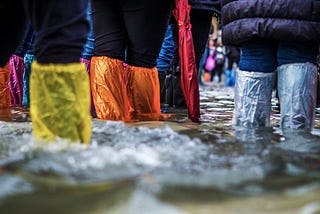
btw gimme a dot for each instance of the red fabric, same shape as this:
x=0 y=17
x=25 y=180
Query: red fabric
x=189 y=76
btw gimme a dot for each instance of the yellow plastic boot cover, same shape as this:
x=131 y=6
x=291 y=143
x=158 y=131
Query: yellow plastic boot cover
x=144 y=93
x=60 y=102
x=108 y=88
x=5 y=99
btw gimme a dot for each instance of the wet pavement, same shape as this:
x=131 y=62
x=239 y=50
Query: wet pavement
x=164 y=167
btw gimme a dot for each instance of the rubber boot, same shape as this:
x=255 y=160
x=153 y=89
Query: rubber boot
x=297 y=86
x=162 y=79
x=5 y=99
x=16 y=79
x=60 y=102
x=252 y=99
x=178 y=98
x=108 y=89
x=169 y=89
x=144 y=92
x=28 y=59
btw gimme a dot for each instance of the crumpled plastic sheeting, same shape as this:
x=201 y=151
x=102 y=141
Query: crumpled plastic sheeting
x=28 y=59
x=5 y=100
x=108 y=88
x=86 y=62
x=144 y=93
x=297 y=85
x=16 y=79
x=60 y=102
x=252 y=98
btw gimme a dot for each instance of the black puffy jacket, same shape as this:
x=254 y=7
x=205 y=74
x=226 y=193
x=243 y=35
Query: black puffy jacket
x=295 y=20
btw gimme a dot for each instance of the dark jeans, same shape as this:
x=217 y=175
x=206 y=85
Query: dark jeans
x=266 y=55
x=231 y=61
x=128 y=30
x=60 y=27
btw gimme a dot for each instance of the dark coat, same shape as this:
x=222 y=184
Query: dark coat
x=211 y=5
x=295 y=20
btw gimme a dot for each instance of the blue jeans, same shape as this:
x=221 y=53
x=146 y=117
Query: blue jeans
x=265 y=56
x=166 y=52
x=89 y=46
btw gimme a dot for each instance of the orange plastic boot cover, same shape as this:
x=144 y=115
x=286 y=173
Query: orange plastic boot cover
x=143 y=89
x=5 y=99
x=108 y=88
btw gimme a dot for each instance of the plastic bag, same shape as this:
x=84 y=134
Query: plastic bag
x=210 y=63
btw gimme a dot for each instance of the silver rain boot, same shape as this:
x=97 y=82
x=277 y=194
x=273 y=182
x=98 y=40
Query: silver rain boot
x=297 y=86
x=252 y=99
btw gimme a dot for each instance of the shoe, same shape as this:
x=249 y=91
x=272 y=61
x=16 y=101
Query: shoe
x=178 y=98
x=162 y=79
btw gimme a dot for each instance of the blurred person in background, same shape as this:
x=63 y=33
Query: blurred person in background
x=233 y=58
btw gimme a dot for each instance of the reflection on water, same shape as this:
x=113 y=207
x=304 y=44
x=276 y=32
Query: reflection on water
x=164 y=167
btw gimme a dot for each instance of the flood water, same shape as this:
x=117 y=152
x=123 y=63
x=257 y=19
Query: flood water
x=165 y=167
